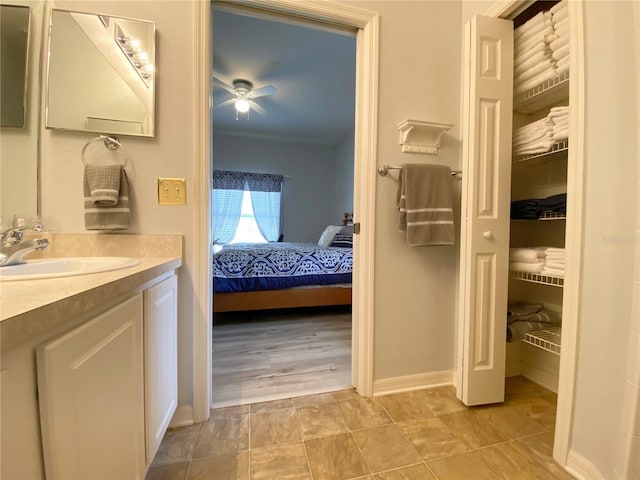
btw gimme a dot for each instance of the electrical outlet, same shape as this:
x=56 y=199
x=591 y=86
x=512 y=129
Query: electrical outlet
x=172 y=191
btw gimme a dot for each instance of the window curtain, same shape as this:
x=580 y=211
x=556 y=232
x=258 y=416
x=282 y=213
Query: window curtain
x=265 y=190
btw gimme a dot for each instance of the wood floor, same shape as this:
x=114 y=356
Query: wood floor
x=261 y=356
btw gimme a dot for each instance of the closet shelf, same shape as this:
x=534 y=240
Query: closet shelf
x=556 y=149
x=551 y=215
x=547 y=339
x=547 y=93
x=537 y=278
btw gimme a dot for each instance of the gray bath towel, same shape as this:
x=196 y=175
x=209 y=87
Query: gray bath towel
x=426 y=205
x=100 y=210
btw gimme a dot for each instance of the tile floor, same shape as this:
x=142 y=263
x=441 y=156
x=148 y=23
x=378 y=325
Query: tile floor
x=426 y=434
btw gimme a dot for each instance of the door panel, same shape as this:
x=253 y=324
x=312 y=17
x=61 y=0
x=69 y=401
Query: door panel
x=488 y=87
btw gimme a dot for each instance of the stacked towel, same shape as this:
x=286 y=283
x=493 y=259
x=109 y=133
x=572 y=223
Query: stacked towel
x=541 y=260
x=523 y=318
x=106 y=197
x=532 y=41
x=554 y=262
x=560 y=46
x=539 y=136
x=533 y=208
x=426 y=205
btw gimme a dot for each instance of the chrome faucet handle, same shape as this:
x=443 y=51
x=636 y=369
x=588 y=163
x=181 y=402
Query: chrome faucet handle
x=11 y=236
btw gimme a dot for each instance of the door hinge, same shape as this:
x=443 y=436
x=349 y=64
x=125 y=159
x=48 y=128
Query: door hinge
x=356 y=228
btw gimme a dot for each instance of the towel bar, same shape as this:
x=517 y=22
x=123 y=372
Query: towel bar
x=109 y=142
x=384 y=169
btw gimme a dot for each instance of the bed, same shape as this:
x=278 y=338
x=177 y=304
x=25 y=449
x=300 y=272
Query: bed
x=284 y=275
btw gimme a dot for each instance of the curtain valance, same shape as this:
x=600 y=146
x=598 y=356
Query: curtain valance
x=254 y=182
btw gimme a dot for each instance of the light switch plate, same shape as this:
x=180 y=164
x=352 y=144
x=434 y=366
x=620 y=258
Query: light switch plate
x=172 y=191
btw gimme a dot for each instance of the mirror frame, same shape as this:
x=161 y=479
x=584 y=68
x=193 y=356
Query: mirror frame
x=151 y=84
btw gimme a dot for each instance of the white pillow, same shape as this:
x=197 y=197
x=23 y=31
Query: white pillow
x=327 y=236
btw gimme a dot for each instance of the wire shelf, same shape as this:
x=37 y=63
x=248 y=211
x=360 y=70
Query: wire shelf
x=537 y=278
x=547 y=93
x=556 y=148
x=551 y=215
x=547 y=339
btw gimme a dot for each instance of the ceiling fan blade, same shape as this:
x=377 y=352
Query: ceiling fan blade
x=263 y=91
x=220 y=83
x=231 y=101
x=257 y=107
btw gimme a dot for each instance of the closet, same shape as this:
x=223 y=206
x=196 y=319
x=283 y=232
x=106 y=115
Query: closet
x=538 y=193
x=515 y=159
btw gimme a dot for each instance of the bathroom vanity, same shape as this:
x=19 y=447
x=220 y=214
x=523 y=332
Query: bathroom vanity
x=89 y=362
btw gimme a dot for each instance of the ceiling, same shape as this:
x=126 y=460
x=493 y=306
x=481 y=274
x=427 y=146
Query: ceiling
x=313 y=70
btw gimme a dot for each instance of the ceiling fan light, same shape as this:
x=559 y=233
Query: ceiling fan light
x=242 y=105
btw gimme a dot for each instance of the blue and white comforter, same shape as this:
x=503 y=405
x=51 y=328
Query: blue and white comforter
x=274 y=266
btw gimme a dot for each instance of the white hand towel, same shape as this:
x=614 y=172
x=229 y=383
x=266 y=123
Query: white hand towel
x=559 y=42
x=559 y=6
x=561 y=52
x=527 y=255
x=552 y=272
x=526 y=267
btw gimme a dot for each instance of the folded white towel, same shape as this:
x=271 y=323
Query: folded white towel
x=561 y=52
x=535 y=81
x=555 y=265
x=561 y=124
x=559 y=42
x=560 y=15
x=541 y=146
x=528 y=62
x=560 y=111
x=526 y=267
x=527 y=255
x=561 y=27
x=533 y=26
x=522 y=145
x=563 y=62
x=559 y=250
x=561 y=134
x=559 y=7
x=562 y=68
x=526 y=43
x=552 y=272
x=539 y=47
x=534 y=71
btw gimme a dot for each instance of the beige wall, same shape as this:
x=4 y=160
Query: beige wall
x=169 y=154
x=414 y=287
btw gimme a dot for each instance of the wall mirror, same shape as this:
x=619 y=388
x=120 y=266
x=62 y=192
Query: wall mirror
x=20 y=43
x=14 y=42
x=100 y=74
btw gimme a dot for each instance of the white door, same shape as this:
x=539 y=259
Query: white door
x=487 y=96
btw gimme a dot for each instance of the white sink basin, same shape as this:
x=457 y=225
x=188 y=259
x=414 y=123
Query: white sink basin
x=64 y=267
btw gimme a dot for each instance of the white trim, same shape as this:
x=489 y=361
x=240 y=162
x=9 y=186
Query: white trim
x=408 y=383
x=581 y=468
x=182 y=417
x=573 y=236
x=508 y=8
x=365 y=161
x=203 y=276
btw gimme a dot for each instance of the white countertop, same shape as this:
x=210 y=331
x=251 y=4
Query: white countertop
x=23 y=296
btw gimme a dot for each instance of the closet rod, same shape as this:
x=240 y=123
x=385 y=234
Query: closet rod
x=384 y=169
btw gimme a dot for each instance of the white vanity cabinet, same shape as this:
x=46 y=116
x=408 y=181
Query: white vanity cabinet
x=161 y=360
x=91 y=390
x=108 y=388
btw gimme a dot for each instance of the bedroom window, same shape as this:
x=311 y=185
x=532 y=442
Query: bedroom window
x=246 y=207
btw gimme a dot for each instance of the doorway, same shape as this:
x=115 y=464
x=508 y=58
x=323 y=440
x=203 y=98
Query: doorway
x=365 y=142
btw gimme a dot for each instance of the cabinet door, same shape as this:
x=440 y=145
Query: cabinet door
x=90 y=384
x=484 y=250
x=161 y=360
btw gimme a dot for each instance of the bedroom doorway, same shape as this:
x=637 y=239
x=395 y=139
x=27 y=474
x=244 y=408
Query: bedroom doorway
x=260 y=355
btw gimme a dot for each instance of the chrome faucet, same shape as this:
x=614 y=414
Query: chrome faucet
x=13 y=249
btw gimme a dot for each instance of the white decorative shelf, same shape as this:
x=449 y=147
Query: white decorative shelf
x=537 y=278
x=547 y=339
x=421 y=137
x=547 y=93
x=556 y=149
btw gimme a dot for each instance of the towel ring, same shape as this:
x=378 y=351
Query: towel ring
x=111 y=143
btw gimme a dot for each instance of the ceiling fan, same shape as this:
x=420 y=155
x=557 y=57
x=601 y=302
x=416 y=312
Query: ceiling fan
x=244 y=95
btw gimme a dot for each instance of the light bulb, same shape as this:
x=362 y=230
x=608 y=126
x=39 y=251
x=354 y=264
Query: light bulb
x=242 y=105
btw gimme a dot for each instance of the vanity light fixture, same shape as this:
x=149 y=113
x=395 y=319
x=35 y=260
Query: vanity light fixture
x=133 y=50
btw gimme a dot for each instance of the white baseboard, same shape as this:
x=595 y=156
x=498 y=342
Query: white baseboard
x=182 y=417
x=581 y=468
x=408 y=383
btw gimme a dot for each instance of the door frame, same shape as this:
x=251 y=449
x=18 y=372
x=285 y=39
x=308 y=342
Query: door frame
x=571 y=308
x=366 y=25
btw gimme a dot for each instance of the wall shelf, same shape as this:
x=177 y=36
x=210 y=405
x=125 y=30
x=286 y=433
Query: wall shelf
x=547 y=93
x=547 y=339
x=538 y=278
x=421 y=137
